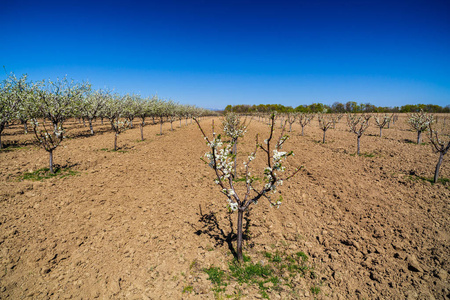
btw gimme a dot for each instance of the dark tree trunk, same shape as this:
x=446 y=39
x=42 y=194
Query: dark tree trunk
x=239 y=235
x=381 y=128
x=51 y=161
x=419 y=137
x=160 y=126
x=438 y=166
x=101 y=121
x=357 y=150
x=84 y=122
x=171 y=126
x=180 y=123
x=115 y=141
x=323 y=140
x=25 y=127
x=235 y=153
x=91 y=127
x=302 y=129
x=142 y=131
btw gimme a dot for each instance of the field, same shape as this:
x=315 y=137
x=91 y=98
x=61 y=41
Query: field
x=148 y=222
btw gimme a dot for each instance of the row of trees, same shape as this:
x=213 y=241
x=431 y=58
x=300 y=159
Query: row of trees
x=337 y=107
x=439 y=132
x=48 y=104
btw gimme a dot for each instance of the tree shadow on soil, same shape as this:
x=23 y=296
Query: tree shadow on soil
x=211 y=227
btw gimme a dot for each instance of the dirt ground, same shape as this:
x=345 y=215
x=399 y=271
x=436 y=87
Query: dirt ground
x=143 y=222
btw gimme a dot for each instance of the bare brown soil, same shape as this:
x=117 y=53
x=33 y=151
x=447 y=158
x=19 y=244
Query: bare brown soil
x=144 y=222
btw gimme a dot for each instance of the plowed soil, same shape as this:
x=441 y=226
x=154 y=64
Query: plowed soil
x=143 y=222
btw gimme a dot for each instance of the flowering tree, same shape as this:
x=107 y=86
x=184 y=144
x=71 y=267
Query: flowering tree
x=324 y=123
x=336 y=118
x=358 y=124
x=171 y=111
x=304 y=119
x=382 y=121
x=56 y=101
x=160 y=110
x=440 y=145
x=130 y=107
x=114 y=111
x=420 y=122
x=234 y=128
x=220 y=159
x=144 y=110
x=92 y=105
x=13 y=92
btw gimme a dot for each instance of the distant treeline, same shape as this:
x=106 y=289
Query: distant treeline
x=338 y=107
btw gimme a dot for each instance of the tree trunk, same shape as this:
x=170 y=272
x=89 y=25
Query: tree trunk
x=419 y=136
x=84 y=122
x=436 y=172
x=115 y=141
x=101 y=121
x=160 y=126
x=235 y=154
x=91 y=127
x=239 y=235
x=302 y=129
x=142 y=131
x=171 y=126
x=180 y=123
x=380 y=131
x=131 y=123
x=51 y=161
x=290 y=127
x=25 y=127
x=1 y=145
x=357 y=149
x=323 y=140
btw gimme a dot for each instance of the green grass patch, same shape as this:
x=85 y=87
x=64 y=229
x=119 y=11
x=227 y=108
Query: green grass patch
x=13 y=147
x=274 y=273
x=112 y=150
x=365 y=154
x=442 y=180
x=188 y=289
x=315 y=290
x=45 y=173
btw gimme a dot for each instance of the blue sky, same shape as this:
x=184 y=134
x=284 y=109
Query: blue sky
x=214 y=53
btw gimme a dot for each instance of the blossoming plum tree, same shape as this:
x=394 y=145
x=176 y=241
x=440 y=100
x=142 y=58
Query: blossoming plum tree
x=114 y=111
x=220 y=159
x=234 y=128
x=56 y=101
x=420 y=122
x=382 y=121
x=12 y=93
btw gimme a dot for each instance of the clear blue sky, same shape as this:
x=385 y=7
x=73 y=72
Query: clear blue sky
x=212 y=53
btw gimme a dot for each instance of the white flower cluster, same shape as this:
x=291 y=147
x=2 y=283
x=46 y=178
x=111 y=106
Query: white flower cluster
x=420 y=121
x=232 y=205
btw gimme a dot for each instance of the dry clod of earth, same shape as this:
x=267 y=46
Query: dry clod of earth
x=145 y=222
